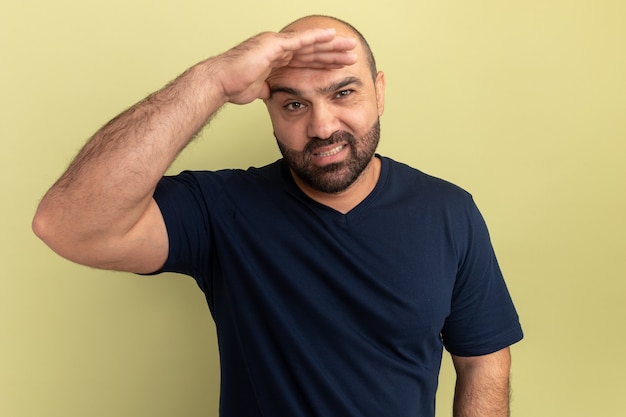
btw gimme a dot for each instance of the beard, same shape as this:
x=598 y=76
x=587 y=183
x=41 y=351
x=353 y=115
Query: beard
x=337 y=177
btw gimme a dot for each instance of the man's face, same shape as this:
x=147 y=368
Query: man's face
x=326 y=122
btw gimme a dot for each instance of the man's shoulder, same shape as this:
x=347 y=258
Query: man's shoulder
x=223 y=176
x=408 y=178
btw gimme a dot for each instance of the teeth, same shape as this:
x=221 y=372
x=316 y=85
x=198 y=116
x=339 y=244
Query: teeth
x=331 y=152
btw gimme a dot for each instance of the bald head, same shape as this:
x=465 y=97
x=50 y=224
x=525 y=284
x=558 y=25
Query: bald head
x=342 y=27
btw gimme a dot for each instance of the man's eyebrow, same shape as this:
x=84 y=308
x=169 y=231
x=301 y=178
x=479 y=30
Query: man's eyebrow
x=283 y=89
x=341 y=84
x=331 y=88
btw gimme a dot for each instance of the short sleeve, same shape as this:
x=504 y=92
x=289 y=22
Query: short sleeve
x=483 y=318
x=185 y=202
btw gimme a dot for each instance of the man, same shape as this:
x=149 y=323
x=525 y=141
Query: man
x=335 y=276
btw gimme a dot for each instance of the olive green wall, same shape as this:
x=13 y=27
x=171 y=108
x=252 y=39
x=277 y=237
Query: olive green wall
x=521 y=103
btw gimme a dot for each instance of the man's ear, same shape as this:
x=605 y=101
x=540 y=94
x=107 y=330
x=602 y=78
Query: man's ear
x=380 y=92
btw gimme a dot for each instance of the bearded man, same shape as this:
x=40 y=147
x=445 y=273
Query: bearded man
x=335 y=276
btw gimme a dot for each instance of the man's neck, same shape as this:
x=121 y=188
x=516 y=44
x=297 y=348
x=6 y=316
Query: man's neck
x=349 y=198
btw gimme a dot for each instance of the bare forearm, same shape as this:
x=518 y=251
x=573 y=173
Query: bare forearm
x=136 y=148
x=111 y=181
x=481 y=400
x=482 y=388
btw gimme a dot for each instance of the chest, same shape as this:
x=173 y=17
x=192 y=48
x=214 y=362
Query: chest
x=387 y=275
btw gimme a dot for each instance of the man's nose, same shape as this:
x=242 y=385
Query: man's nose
x=323 y=122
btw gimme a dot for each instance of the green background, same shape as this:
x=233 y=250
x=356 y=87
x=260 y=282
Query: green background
x=521 y=103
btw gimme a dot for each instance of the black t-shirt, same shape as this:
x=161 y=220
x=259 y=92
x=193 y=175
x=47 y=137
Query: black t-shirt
x=320 y=313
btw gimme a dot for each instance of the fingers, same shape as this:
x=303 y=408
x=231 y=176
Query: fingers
x=319 y=48
x=297 y=40
x=331 y=60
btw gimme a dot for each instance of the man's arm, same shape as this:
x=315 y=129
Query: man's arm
x=101 y=212
x=482 y=387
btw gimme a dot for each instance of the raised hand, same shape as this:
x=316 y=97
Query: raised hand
x=242 y=71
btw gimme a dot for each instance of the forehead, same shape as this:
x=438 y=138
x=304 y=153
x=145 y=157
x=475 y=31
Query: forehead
x=304 y=84
x=307 y=81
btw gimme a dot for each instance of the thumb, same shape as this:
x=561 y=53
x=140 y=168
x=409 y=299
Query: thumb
x=264 y=93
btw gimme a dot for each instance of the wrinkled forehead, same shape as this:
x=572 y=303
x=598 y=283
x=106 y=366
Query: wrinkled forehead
x=305 y=82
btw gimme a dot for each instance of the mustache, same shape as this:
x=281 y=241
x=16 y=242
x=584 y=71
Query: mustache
x=337 y=137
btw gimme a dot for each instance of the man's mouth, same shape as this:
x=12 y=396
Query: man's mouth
x=330 y=152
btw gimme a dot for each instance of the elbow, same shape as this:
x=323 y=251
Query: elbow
x=55 y=228
x=42 y=226
x=52 y=227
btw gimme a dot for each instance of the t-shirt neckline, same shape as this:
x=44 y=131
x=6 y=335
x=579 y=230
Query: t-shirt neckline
x=295 y=190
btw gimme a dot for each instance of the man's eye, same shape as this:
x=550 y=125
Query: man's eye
x=293 y=106
x=344 y=93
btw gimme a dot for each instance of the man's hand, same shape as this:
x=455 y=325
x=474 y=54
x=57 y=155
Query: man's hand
x=243 y=70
